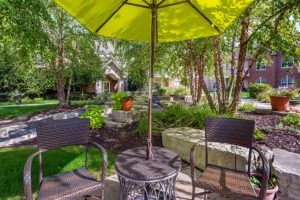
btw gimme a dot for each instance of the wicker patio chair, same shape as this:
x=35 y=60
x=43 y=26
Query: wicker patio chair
x=218 y=179
x=71 y=184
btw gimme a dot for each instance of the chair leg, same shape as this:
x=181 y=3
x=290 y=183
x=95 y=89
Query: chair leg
x=205 y=195
x=193 y=193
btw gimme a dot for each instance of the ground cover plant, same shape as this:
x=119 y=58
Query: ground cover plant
x=80 y=104
x=291 y=119
x=24 y=112
x=57 y=161
x=177 y=115
x=94 y=113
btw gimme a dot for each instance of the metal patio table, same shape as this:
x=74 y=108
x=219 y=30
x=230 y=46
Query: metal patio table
x=147 y=179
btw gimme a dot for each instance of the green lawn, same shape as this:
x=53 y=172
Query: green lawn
x=245 y=95
x=57 y=161
x=35 y=101
x=25 y=111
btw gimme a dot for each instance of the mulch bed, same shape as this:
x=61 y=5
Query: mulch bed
x=276 y=138
x=120 y=139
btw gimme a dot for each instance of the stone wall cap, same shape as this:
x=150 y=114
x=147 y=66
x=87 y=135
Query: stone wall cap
x=286 y=162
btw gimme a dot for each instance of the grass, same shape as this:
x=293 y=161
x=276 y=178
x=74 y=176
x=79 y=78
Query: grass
x=28 y=101
x=80 y=104
x=57 y=161
x=23 y=111
x=245 y=95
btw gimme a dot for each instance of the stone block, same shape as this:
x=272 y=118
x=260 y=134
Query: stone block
x=286 y=168
x=180 y=140
x=65 y=115
x=125 y=116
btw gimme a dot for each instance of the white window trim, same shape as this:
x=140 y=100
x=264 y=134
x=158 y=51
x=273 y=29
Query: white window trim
x=103 y=83
x=286 y=85
x=282 y=61
x=261 y=69
x=260 y=80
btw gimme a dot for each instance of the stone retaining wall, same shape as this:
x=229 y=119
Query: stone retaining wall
x=286 y=165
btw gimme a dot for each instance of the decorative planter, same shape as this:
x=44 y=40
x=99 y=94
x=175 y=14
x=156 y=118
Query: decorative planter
x=126 y=104
x=280 y=103
x=270 y=193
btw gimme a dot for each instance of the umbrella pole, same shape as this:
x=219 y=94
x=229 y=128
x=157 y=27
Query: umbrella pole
x=153 y=25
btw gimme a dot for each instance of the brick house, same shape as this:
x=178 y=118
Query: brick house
x=281 y=73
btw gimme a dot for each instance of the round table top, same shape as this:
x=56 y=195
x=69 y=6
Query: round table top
x=132 y=164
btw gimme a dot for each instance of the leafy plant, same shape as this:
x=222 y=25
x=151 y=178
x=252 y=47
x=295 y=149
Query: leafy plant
x=291 y=119
x=290 y=92
x=117 y=97
x=256 y=181
x=180 y=91
x=94 y=113
x=246 y=107
x=258 y=134
x=256 y=88
x=161 y=91
x=142 y=126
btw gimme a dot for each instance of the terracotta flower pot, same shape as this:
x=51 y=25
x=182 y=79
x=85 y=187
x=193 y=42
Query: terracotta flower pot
x=280 y=103
x=270 y=194
x=126 y=104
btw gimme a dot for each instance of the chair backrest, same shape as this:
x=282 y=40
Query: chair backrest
x=229 y=130
x=60 y=133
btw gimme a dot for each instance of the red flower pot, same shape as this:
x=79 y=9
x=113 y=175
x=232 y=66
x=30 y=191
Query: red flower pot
x=280 y=103
x=126 y=104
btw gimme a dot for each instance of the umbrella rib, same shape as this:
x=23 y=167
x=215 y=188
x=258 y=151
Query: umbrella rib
x=198 y=11
x=137 y=5
x=112 y=15
x=171 y=4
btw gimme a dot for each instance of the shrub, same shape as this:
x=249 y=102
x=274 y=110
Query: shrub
x=94 y=113
x=161 y=91
x=177 y=115
x=258 y=135
x=142 y=126
x=180 y=91
x=80 y=104
x=76 y=96
x=261 y=96
x=291 y=119
x=246 y=107
x=256 y=88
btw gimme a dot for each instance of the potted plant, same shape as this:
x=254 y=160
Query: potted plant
x=127 y=103
x=280 y=98
x=256 y=179
x=161 y=91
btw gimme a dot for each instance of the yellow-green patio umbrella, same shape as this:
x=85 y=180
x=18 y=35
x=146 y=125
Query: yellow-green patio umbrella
x=155 y=21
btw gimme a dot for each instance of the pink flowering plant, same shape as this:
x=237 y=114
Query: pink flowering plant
x=291 y=92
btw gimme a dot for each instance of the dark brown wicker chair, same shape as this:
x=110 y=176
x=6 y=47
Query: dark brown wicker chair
x=218 y=179
x=72 y=184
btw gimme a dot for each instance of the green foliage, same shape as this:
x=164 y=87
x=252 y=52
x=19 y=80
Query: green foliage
x=261 y=96
x=257 y=179
x=177 y=116
x=256 y=88
x=291 y=119
x=54 y=162
x=290 y=92
x=142 y=126
x=23 y=112
x=161 y=91
x=80 y=104
x=94 y=113
x=180 y=91
x=259 y=135
x=117 y=97
x=76 y=96
x=246 y=107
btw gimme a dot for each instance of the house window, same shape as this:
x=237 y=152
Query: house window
x=287 y=63
x=260 y=80
x=286 y=82
x=106 y=86
x=260 y=67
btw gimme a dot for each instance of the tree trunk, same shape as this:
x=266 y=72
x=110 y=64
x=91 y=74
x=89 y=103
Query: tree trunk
x=241 y=62
x=69 y=88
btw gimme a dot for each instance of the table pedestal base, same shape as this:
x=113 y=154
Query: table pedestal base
x=156 y=190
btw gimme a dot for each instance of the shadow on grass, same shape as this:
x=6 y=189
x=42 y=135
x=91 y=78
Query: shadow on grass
x=57 y=161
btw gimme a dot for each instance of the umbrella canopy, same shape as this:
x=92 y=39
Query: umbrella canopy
x=155 y=21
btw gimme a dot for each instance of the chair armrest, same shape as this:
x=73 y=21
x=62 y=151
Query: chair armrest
x=27 y=176
x=265 y=172
x=104 y=159
x=192 y=159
